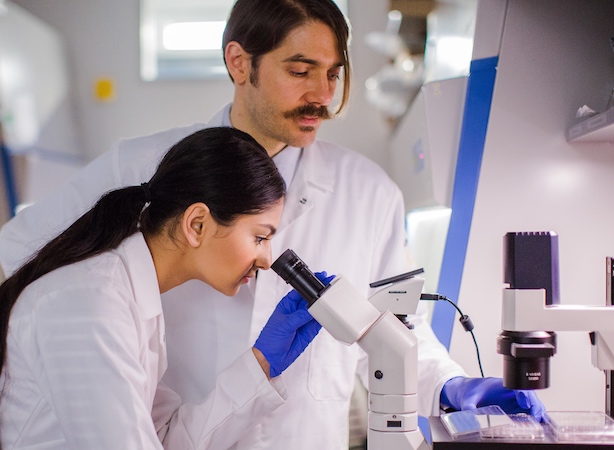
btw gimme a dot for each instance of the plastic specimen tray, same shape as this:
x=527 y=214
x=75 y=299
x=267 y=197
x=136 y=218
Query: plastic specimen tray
x=461 y=424
x=574 y=426
x=523 y=427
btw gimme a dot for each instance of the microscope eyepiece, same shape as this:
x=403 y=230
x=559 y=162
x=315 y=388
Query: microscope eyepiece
x=296 y=273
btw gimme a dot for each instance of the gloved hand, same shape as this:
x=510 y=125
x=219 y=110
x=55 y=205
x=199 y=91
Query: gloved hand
x=463 y=393
x=289 y=330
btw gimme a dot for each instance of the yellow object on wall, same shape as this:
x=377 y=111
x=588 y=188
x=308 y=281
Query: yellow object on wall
x=104 y=90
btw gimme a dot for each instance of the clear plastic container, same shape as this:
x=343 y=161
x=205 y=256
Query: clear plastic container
x=462 y=424
x=573 y=426
x=523 y=427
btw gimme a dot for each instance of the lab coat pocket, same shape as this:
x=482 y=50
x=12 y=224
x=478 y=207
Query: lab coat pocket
x=332 y=368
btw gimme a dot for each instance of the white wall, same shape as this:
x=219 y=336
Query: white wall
x=555 y=57
x=102 y=40
x=34 y=87
x=38 y=121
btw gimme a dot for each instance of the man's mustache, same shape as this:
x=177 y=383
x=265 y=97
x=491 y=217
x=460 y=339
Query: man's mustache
x=309 y=110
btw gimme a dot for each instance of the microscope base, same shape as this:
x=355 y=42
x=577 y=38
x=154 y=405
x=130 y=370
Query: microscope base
x=396 y=440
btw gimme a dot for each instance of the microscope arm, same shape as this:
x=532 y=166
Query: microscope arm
x=526 y=310
x=393 y=359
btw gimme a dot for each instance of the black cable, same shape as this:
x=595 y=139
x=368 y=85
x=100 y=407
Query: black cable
x=463 y=319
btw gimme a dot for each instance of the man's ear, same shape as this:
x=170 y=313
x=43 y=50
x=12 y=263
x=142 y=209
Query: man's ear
x=238 y=62
x=194 y=223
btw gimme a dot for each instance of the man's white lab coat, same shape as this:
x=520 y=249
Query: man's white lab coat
x=343 y=214
x=86 y=352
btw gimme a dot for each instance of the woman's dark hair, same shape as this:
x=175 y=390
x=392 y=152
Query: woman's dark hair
x=222 y=167
x=261 y=26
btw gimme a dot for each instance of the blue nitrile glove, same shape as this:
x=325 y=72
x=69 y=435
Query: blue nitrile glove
x=289 y=330
x=463 y=393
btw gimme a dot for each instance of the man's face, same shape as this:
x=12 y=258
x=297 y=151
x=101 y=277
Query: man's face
x=293 y=88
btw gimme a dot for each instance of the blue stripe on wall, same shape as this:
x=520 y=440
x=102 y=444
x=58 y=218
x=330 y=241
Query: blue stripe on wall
x=480 y=88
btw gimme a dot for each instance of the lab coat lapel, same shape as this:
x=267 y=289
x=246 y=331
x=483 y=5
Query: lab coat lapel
x=314 y=180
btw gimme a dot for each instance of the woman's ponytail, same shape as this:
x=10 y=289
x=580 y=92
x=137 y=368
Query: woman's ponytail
x=114 y=217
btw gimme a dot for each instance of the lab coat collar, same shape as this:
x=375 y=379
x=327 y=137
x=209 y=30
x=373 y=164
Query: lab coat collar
x=314 y=180
x=317 y=171
x=138 y=262
x=221 y=118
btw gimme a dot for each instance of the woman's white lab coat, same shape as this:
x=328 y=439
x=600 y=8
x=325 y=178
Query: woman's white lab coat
x=86 y=352
x=342 y=214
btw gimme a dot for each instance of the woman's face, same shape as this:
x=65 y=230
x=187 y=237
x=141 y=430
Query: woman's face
x=233 y=254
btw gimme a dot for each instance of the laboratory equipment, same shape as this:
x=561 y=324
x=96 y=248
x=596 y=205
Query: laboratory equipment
x=572 y=426
x=531 y=310
x=471 y=422
x=492 y=424
x=389 y=342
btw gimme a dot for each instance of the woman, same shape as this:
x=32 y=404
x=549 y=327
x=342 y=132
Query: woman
x=84 y=352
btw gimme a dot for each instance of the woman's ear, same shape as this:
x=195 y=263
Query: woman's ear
x=194 y=223
x=238 y=62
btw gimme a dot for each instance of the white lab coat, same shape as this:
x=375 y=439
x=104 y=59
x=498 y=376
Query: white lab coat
x=86 y=352
x=343 y=214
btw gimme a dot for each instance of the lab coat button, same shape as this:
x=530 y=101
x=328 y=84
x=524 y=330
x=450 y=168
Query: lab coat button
x=302 y=201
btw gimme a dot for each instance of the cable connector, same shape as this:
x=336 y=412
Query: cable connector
x=425 y=296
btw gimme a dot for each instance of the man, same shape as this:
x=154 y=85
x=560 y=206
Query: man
x=342 y=215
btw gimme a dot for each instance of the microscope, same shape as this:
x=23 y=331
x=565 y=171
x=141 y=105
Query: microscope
x=380 y=327
x=532 y=313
